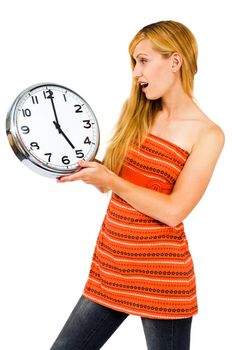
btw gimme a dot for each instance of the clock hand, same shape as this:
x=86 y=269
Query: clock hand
x=62 y=133
x=57 y=125
x=56 y=122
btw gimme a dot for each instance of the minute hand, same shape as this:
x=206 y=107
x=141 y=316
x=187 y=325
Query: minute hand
x=62 y=133
x=54 y=110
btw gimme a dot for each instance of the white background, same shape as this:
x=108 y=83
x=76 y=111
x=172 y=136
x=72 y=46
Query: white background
x=48 y=230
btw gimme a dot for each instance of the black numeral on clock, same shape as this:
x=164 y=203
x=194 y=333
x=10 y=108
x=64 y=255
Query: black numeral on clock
x=87 y=141
x=79 y=153
x=26 y=112
x=25 y=129
x=34 y=145
x=49 y=156
x=78 y=109
x=35 y=100
x=65 y=160
x=88 y=124
x=48 y=94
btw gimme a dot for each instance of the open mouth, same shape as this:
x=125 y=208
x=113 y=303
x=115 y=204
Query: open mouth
x=143 y=85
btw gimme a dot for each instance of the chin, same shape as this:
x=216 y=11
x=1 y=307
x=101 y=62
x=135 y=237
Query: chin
x=152 y=97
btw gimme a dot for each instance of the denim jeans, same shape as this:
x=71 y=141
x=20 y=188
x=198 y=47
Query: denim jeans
x=90 y=325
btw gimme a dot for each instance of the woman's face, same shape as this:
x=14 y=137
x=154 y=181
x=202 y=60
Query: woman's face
x=153 y=71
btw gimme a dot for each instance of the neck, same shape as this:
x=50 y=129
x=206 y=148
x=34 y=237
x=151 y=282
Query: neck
x=176 y=102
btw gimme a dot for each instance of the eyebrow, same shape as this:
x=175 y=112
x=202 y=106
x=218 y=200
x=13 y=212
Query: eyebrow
x=141 y=54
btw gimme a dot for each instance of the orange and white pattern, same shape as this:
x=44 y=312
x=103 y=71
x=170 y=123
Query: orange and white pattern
x=140 y=265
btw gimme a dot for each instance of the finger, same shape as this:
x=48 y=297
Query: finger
x=68 y=178
x=86 y=164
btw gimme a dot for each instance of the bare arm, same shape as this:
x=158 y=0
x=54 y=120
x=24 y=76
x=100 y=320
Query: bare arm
x=188 y=190
x=102 y=189
x=189 y=187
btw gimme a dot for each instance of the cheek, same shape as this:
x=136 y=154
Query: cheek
x=161 y=72
x=159 y=85
x=162 y=79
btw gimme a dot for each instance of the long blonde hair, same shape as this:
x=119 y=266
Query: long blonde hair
x=138 y=113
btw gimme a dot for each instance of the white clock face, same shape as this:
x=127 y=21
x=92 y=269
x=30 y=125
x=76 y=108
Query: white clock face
x=56 y=127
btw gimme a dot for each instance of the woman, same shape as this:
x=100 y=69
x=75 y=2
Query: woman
x=158 y=165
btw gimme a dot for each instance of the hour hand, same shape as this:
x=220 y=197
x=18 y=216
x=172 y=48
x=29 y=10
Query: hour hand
x=62 y=133
x=57 y=125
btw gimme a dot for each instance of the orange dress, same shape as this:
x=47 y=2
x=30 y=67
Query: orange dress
x=140 y=265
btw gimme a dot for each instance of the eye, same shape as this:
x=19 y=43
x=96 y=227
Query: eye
x=143 y=60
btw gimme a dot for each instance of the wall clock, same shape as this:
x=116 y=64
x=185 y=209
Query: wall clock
x=50 y=128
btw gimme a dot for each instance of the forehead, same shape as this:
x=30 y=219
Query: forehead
x=145 y=47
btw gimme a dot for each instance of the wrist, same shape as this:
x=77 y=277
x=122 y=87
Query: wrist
x=112 y=178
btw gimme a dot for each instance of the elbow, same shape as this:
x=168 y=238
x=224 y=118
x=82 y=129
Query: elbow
x=174 y=218
x=176 y=212
x=173 y=222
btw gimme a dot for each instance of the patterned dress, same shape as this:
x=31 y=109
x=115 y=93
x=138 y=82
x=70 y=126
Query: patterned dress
x=140 y=265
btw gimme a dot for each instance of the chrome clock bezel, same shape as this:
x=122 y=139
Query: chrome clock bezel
x=21 y=150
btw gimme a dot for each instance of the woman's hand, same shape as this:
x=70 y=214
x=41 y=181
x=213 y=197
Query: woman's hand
x=92 y=173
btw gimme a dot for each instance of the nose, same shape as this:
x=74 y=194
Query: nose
x=136 y=72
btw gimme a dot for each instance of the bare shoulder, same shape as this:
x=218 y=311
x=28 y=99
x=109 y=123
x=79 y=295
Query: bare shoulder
x=210 y=134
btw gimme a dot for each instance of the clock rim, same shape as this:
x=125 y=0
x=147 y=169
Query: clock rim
x=22 y=152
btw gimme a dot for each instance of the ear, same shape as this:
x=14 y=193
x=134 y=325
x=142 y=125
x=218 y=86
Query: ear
x=176 y=62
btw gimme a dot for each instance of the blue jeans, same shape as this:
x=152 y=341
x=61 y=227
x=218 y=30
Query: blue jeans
x=90 y=325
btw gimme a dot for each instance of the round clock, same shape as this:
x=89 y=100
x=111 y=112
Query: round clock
x=50 y=128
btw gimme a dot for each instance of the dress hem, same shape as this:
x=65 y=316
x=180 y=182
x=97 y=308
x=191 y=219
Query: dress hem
x=132 y=312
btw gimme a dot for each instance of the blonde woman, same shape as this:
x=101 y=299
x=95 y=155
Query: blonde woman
x=158 y=165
